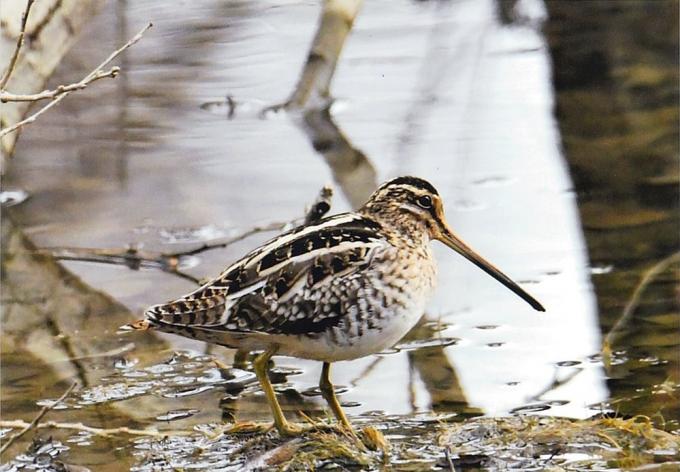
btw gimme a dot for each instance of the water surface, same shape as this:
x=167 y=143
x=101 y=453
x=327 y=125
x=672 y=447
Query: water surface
x=445 y=91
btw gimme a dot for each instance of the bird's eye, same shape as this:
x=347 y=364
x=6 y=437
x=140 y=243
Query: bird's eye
x=425 y=201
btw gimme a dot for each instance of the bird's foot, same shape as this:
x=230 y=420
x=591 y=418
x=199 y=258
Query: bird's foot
x=247 y=427
x=290 y=429
x=374 y=439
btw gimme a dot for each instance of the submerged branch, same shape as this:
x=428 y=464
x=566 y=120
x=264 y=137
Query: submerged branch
x=244 y=427
x=648 y=276
x=557 y=383
x=34 y=423
x=103 y=432
x=131 y=258
x=169 y=262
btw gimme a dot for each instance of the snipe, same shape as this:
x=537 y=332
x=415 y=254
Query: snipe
x=341 y=288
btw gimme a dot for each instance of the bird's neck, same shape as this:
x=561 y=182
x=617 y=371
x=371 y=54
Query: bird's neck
x=399 y=227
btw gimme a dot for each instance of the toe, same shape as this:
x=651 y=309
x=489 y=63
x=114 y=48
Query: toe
x=289 y=429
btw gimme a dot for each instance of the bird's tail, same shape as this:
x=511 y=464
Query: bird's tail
x=139 y=325
x=153 y=318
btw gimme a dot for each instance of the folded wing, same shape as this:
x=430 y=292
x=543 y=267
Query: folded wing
x=290 y=285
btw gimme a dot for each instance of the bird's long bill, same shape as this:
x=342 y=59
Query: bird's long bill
x=448 y=238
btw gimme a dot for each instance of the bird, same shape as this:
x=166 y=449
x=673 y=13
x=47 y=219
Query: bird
x=340 y=288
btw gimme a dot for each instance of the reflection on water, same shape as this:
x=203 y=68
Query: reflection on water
x=443 y=90
x=617 y=102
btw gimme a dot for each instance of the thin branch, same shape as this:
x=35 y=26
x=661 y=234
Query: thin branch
x=135 y=259
x=52 y=94
x=108 y=432
x=186 y=276
x=648 y=276
x=556 y=383
x=169 y=262
x=110 y=353
x=367 y=370
x=131 y=258
x=89 y=77
x=20 y=42
x=104 y=432
x=28 y=426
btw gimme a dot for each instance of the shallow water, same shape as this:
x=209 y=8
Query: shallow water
x=444 y=91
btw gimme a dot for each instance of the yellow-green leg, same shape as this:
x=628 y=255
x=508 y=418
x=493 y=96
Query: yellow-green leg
x=240 y=359
x=328 y=393
x=261 y=365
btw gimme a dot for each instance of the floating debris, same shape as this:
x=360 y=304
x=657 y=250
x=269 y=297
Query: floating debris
x=191 y=235
x=10 y=198
x=424 y=343
x=177 y=414
x=600 y=270
x=187 y=392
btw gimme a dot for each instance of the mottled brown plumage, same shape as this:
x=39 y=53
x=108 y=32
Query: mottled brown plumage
x=340 y=288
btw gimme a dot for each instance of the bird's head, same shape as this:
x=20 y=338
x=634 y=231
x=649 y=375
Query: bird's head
x=413 y=205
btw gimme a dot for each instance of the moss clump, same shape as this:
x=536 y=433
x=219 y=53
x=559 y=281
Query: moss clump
x=318 y=449
x=322 y=448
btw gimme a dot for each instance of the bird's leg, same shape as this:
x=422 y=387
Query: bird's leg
x=261 y=367
x=240 y=359
x=328 y=393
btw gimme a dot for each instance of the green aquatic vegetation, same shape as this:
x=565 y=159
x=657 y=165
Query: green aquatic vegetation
x=320 y=448
x=415 y=443
x=534 y=441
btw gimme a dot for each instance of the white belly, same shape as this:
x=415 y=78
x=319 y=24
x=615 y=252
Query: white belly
x=357 y=337
x=341 y=346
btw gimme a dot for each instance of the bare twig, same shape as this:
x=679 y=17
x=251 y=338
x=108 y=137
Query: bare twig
x=28 y=426
x=367 y=370
x=135 y=259
x=88 y=78
x=108 y=432
x=125 y=348
x=556 y=383
x=105 y=432
x=449 y=460
x=52 y=94
x=131 y=258
x=20 y=42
